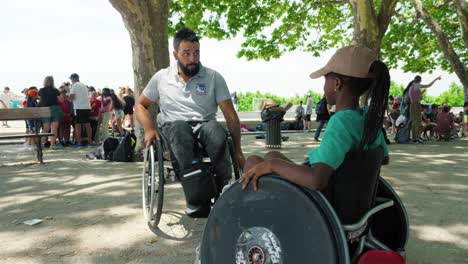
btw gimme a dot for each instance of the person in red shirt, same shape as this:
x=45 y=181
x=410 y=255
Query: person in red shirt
x=64 y=126
x=94 y=116
x=444 y=123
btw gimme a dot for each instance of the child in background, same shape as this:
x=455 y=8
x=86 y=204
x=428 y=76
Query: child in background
x=106 y=111
x=94 y=116
x=65 y=125
x=31 y=101
x=117 y=107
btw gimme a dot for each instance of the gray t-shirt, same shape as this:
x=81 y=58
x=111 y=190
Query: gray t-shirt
x=196 y=100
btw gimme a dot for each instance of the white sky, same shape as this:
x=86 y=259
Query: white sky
x=58 y=37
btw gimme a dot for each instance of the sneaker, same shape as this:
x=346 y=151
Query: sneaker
x=47 y=144
x=56 y=147
x=316 y=140
x=194 y=211
x=417 y=141
x=78 y=146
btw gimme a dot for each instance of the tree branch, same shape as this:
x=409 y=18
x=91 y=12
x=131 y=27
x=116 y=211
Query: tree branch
x=462 y=14
x=444 y=43
x=387 y=9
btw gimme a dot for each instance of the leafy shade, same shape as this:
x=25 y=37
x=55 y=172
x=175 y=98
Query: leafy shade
x=270 y=28
x=411 y=46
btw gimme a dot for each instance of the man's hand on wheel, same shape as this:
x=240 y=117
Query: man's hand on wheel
x=151 y=135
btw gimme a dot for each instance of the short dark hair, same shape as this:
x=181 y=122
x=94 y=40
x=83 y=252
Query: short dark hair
x=446 y=109
x=7 y=88
x=185 y=34
x=465 y=104
x=417 y=78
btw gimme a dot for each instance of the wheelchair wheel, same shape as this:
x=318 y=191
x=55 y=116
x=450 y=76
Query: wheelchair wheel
x=391 y=226
x=280 y=223
x=153 y=185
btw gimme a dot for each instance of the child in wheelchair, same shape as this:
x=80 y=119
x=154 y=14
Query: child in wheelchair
x=351 y=72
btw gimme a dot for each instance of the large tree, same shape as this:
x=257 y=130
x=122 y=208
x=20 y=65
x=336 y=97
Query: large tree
x=147 y=24
x=427 y=35
x=271 y=28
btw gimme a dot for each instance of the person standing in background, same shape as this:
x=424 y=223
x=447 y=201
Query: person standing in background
x=129 y=101
x=308 y=113
x=5 y=100
x=82 y=109
x=49 y=96
x=415 y=94
x=235 y=101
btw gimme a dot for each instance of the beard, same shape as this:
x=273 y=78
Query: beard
x=191 y=69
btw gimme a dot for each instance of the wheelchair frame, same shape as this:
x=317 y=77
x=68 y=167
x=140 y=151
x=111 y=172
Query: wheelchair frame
x=153 y=185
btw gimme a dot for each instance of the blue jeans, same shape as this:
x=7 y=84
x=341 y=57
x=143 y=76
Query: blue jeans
x=181 y=135
x=319 y=128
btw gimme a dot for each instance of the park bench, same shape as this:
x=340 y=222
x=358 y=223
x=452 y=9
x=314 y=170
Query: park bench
x=33 y=113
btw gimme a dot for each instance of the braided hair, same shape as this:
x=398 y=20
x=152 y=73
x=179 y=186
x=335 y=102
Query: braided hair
x=378 y=87
x=378 y=93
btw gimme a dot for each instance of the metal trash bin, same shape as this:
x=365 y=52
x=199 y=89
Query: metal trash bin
x=273 y=120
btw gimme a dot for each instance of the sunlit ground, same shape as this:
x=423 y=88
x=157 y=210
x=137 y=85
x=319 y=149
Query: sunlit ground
x=91 y=210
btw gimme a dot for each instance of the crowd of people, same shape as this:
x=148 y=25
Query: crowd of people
x=425 y=122
x=81 y=115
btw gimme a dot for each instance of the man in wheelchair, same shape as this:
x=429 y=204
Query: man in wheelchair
x=188 y=95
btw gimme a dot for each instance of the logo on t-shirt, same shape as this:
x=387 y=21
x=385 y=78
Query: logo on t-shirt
x=201 y=89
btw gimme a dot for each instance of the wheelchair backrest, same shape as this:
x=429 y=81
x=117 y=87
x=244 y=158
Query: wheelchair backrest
x=352 y=188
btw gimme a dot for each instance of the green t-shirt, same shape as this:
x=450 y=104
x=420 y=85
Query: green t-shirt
x=343 y=134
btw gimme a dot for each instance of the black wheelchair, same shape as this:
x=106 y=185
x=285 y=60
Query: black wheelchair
x=284 y=223
x=159 y=164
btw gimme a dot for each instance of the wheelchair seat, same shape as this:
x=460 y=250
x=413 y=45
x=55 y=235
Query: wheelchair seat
x=352 y=187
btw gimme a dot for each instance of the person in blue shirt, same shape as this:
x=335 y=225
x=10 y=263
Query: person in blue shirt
x=349 y=73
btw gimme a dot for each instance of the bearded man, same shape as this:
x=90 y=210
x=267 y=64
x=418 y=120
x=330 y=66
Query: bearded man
x=188 y=95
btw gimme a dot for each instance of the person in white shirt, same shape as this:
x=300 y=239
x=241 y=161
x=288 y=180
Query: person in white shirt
x=308 y=112
x=5 y=100
x=82 y=109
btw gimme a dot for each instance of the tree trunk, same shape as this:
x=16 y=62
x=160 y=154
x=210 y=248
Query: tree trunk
x=147 y=24
x=460 y=70
x=369 y=29
x=462 y=14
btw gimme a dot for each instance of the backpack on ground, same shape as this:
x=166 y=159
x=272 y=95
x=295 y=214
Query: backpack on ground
x=104 y=152
x=125 y=150
x=403 y=131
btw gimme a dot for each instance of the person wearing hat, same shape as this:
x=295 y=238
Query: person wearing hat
x=82 y=109
x=349 y=73
x=31 y=101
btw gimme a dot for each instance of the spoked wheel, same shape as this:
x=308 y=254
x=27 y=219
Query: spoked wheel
x=153 y=185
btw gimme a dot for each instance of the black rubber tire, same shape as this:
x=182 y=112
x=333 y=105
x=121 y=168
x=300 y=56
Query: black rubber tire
x=152 y=186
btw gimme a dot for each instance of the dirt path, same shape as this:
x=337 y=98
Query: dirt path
x=91 y=210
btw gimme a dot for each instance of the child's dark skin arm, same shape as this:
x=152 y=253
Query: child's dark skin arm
x=312 y=178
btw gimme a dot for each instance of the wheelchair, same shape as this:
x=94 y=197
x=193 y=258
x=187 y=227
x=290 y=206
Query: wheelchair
x=158 y=165
x=285 y=223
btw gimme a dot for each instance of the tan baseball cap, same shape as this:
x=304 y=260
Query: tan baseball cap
x=353 y=61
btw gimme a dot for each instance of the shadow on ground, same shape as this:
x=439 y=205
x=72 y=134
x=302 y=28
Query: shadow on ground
x=91 y=210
